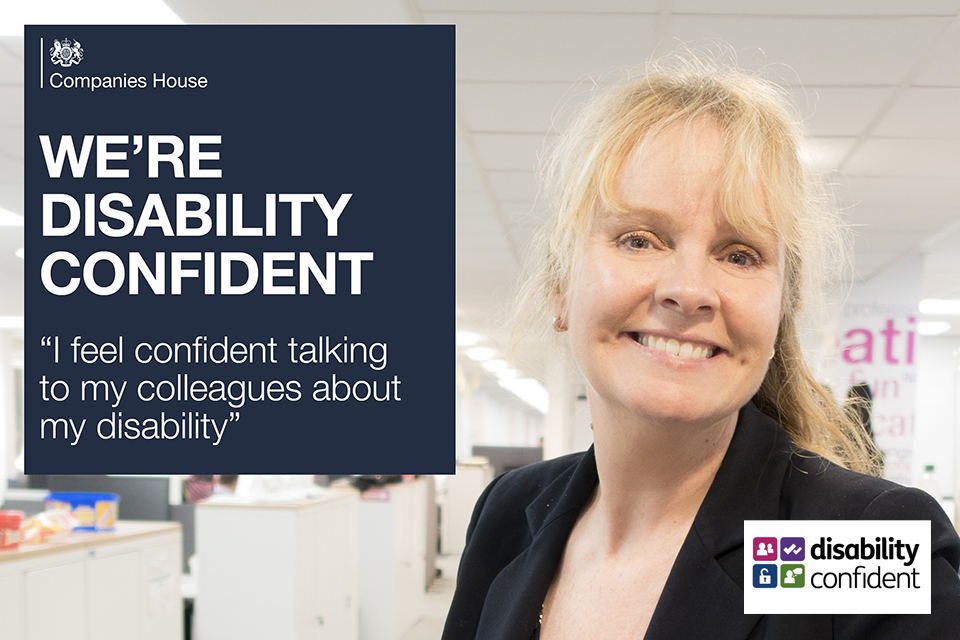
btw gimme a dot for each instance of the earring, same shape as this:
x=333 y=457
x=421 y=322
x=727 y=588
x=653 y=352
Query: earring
x=558 y=325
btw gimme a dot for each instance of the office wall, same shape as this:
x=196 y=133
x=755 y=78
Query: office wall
x=11 y=352
x=493 y=417
x=937 y=414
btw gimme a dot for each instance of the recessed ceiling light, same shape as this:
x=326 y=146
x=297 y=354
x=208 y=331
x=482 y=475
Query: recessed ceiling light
x=467 y=339
x=10 y=219
x=932 y=307
x=480 y=354
x=11 y=322
x=932 y=328
x=495 y=365
x=528 y=390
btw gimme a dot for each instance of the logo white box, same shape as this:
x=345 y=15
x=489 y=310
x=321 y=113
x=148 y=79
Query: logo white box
x=884 y=566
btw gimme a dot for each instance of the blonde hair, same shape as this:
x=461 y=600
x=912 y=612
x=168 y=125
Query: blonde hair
x=761 y=144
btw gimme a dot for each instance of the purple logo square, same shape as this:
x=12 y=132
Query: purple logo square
x=792 y=549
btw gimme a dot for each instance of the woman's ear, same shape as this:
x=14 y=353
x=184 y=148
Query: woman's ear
x=559 y=312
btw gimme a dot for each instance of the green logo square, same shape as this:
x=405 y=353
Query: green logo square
x=792 y=576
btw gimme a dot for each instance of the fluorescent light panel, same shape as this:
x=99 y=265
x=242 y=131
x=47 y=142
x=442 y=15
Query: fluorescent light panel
x=480 y=354
x=932 y=328
x=467 y=339
x=493 y=366
x=529 y=390
x=10 y=219
x=932 y=307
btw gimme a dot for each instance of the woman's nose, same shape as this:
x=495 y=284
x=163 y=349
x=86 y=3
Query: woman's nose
x=685 y=285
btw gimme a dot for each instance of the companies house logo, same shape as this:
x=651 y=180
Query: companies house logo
x=66 y=52
x=821 y=566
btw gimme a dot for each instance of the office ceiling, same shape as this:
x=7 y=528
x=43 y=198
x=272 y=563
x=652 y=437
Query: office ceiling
x=876 y=81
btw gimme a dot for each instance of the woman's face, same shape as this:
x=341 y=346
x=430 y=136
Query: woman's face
x=672 y=313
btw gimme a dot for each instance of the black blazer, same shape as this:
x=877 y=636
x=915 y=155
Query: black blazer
x=522 y=521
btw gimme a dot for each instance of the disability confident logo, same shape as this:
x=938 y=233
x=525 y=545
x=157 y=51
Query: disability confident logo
x=836 y=566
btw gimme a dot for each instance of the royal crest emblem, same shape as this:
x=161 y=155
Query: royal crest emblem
x=66 y=52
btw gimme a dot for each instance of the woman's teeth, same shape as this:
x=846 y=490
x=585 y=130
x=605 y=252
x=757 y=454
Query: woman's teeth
x=676 y=348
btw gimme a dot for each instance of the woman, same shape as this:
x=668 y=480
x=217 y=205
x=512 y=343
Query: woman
x=687 y=231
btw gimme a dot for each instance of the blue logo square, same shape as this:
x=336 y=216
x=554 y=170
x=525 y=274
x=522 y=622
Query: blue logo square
x=764 y=576
x=792 y=549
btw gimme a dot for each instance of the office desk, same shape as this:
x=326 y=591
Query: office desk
x=112 y=585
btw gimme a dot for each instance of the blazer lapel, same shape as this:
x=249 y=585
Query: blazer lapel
x=513 y=604
x=703 y=595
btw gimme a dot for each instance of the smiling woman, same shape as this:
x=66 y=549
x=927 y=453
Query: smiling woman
x=687 y=238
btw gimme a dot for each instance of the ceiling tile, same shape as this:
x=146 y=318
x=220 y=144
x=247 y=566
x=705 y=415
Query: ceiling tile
x=290 y=11
x=945 y=244
x=895 y=191
x=542 y=6
x=546 y=47
x=11 y=198
x=826 y=154
x=943 y=261
x=941 y=268
x=923 y=112
x=943 y=70
x=940 y=271
x=870 y=263
x=514 y=185
x=485 y=263
x=820 y=51
x=485 y=234
x=460 y=152
x=905 y=157
x=11 y=141
x=467 y=180
x=818 y=7
x=14 y=46
x=869 y=241
x=472 y=203
x=902 y=219
x=522 y=214
x=11 y=172
x=11 y=106
x=11 y=60
x=510 y=151
x=942 y=286
x=475 y=226
x=839 y=111
x=517 y=107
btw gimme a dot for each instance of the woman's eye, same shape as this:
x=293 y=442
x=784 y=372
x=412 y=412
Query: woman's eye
x=743 y=259
x=637 y=242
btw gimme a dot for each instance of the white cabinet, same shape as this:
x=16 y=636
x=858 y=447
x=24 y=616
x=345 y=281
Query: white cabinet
x=121 y=585
x=278 y=570
x=463 y=489
x=393 y=533
x=54 y=602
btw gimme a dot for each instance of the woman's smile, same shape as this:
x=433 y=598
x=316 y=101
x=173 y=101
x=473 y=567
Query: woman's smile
x=680 y=348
